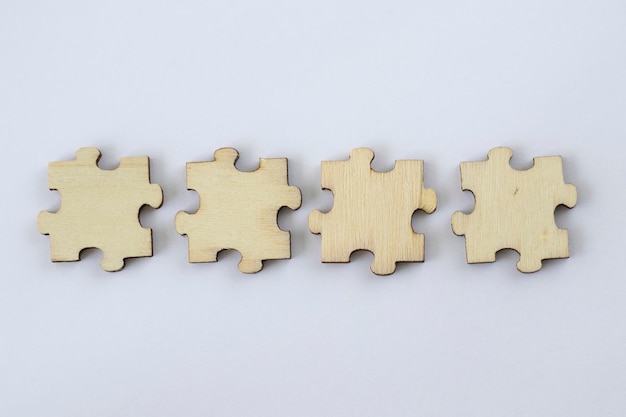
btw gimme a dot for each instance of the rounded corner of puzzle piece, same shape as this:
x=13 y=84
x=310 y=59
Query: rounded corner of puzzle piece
x=181 y=222
x=528 y=265
x=250 y=266
x=293 y=197
x=112 y=264
x=226 y=155
x=315 y=221
x=88 y=154
x=382 y=267
x=362 y=154
x=428 y=202
x=570 y=196
x=501 y=153
x=458 y=223
x=154 y=198
x=43 y=221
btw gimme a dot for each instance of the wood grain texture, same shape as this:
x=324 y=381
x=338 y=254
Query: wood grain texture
x=372 y=211
x=238 y=210
x=514 y=209
x=100 y=209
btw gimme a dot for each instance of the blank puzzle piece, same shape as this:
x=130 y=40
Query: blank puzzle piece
x=514 y=209
x=100 y=209
x=372 y=211
x=238 y=210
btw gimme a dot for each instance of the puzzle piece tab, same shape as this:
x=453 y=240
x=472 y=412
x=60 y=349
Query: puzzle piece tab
x=514 y=209
x=100 y=209
x=372 y=211
x=238 y=210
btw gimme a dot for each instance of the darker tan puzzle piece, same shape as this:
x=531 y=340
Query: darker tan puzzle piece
x=238 y=210
x=100 y=209
x=372 y=211
x=514 y=209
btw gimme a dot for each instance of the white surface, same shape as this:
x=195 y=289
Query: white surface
x=440 y=81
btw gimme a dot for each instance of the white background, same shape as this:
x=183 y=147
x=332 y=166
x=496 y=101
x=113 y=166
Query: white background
x=442 y=81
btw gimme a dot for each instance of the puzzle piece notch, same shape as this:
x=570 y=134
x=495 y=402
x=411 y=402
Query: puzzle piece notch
x=514 y=209
x=238 y=210
x=100 y=209
x=372 y=211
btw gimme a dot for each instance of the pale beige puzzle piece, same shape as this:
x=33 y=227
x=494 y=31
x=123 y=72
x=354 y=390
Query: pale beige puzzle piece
x=372 y=211
x=238 y=210
x=100 y=209
x=514 y=209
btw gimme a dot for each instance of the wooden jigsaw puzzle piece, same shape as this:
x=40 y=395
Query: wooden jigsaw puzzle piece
x=514 y=209
x=100 y=209
x=238 y=210
x=372 y=211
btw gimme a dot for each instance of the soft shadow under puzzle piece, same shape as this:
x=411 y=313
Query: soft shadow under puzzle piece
x=514 y=209
x=372 y=211
x=100 y=209
x=238 y=210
